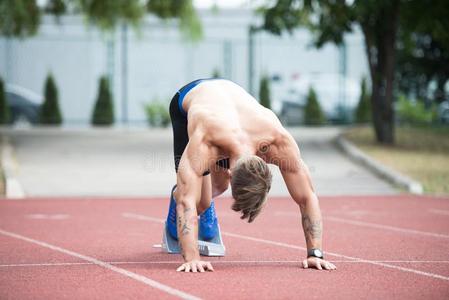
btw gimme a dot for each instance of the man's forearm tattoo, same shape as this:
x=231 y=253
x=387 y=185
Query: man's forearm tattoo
x=185 y=230
x=313 y=228
x=183 y=226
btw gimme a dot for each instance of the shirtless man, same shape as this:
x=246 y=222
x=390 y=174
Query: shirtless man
x=223 y=136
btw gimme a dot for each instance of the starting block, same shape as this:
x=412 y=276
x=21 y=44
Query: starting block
x=214 y=247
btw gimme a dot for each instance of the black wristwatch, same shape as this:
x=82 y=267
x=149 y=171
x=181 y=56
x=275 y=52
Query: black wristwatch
x=315 y=253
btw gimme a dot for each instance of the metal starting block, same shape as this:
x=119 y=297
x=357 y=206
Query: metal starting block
x=214 y=247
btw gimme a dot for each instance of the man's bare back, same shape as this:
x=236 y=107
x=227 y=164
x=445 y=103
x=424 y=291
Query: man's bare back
x=230 y=119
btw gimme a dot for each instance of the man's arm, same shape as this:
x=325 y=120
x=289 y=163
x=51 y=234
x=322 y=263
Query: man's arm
x=297 y=178
x=187 y=194
x=299 y=187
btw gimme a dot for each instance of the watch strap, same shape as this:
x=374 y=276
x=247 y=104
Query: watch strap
x=315 y=253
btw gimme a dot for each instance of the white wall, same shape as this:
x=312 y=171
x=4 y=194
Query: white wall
x=160 y=60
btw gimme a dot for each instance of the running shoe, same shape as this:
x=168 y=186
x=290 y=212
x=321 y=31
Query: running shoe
x=208 y=226
x=171 y=218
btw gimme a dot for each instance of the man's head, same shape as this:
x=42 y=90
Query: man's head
x=250 y=183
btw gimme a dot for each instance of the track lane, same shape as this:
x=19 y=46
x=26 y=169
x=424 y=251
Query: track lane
x=98 y=228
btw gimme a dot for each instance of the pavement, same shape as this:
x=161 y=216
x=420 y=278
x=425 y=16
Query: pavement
x=53 y=162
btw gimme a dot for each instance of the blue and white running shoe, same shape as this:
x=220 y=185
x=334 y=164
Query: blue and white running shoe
x=171 y=218
x=208 y=226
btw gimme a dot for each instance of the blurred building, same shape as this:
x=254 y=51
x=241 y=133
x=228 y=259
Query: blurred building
x=155 y=61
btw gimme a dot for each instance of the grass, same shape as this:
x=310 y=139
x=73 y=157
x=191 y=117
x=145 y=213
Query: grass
x=2 y=179
x=420 y=153
x=2 y=183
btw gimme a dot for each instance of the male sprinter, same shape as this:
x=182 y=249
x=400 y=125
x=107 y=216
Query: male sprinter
x=223 y=135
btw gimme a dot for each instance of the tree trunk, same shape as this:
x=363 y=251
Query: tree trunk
x=440 y=93
x=380 y=42
x=383 y=114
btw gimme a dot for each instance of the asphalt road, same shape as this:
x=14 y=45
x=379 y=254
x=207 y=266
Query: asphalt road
x=139 y=162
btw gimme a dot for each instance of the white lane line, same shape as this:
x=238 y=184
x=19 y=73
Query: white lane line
x=145 y=280
x=386 y=227
x=47 y=216
x=223 y=262
x=375 y=225
x=428 y=274
x=285 y=245
x=142 y=217
x=439 y=212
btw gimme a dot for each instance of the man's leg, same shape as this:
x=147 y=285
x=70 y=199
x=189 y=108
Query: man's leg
x=206 y=194
x=180 y=140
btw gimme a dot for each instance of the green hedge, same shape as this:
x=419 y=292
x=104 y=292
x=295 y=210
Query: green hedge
x=264 y=92
x=414 y=112
x=157 y=114
x=50 y=113
x=103 y=114
x=313 y=114
x=5 y=114
x=216 y=73
x=363 y=110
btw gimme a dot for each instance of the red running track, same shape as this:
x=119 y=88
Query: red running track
x=90 y=248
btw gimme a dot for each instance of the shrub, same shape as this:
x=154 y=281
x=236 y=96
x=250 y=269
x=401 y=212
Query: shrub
x=50 y=113
x=104 y=109
x=157 y=114
x=4 y=107
x=216 y=73
x=264 y=92
x=363 y=110
x=413 y=112
x=313 y=114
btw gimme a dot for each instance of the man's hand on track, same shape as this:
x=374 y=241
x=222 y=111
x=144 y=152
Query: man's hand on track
x=318 y=263
x=195 y=266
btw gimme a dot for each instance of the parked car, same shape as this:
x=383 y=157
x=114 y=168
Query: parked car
x=24 y=104
x=330 y=88
x=292 y=113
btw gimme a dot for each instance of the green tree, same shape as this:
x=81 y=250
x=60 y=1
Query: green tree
x=423 y=50
x=4 y=107
x=50 y=113
x=21 y=18
x=363 y=110
x=56 y=7
x=313 y=114
x=189 y=22
x=379 y=20
x=104 y=109
x=264 y=92
x=107 y=14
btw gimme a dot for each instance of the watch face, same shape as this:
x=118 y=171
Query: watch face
x=317 y=253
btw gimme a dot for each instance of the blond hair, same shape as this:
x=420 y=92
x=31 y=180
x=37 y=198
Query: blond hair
x=250 y=183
